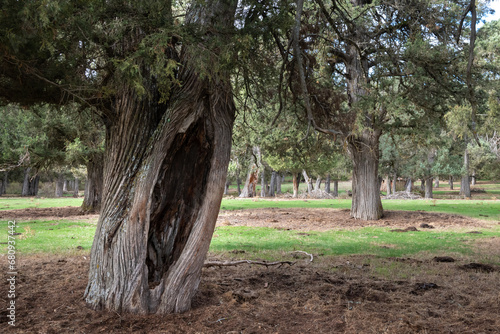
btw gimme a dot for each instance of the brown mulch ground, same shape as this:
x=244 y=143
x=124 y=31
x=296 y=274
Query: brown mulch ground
x=330 y=295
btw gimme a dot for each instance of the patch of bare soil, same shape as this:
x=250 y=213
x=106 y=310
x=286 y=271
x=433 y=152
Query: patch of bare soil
x=69 y=212
x=328 y=219
x=330 y=295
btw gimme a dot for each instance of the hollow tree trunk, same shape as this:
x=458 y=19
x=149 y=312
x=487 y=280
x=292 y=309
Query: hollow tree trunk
x=364 y=151
x=428 y=188
x=93 y=186
x=164 y=176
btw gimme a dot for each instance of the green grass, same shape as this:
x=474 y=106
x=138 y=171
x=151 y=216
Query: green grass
x=268 y=243
x=487 y=210
x=12 y=203
x=51 y=236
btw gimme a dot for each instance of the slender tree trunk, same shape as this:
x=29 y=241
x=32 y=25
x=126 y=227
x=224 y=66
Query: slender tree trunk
x=296 y=178
x=473 y=178
x=26 y=182
x=408 y=185
x=327 y=183
x=388 y=185
x=238 y=181
x=278 y=183
x=272 y=185
x=450 y=182
x=76 y=185
x=250 y=184
x=394 y=182
x=428 y=188
x=164 y=176
x=308 y=181
x=65 y=186
x=226 y=187
x=436 y=182
x=3 y=190
x=465 y=184
x=33 y=185
x=93 y=193
x=336 y=188
x=317 y=185
x=59 y=185
x=263 y=182
x=364 y=151
x=422 y=184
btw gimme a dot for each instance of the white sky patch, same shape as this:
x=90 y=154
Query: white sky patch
x=495 y=4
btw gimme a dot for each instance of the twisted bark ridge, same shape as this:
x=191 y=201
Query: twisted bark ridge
x=164 y=177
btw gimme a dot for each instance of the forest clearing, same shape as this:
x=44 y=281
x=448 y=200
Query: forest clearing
x=410 y=272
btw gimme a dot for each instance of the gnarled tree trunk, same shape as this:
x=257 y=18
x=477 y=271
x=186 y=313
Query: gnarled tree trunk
x=364 y=151
x=163 y=183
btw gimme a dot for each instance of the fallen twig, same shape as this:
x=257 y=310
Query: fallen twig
x=235 y=263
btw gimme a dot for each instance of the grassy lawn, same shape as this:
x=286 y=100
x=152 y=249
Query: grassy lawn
x=268 y=243
x=67 y=237
x=487 y=210
x=12 y=203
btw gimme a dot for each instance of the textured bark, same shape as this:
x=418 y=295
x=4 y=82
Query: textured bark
x=428 y=188
x=164 y=176
x=364 y=151
x=327 y=184
x=93 y=186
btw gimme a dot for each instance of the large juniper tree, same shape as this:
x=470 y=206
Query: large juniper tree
x=363 y=66
x=159 y=78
